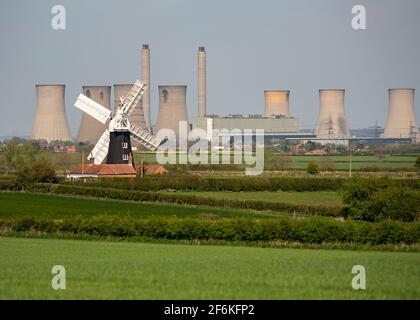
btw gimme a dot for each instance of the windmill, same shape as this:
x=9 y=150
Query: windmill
x=114 y=144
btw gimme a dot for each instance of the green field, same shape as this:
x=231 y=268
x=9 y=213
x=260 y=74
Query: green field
x=306 y=198
x=339 y=162
x=112 y=270
x=13 y=204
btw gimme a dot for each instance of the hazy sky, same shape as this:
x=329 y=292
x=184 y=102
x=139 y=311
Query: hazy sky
x=252 y=46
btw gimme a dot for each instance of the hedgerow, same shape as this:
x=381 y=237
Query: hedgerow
x=308 y=230
x=198 y=183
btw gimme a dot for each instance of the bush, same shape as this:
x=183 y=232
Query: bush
x=377 y=199
x=312 y=168
x=39 y=171
x=394 y=203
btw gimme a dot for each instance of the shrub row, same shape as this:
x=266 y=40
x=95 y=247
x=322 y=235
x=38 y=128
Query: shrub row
x=220 y=183
x=309 y=230
x=173 y=197
x=8 y=184
x=232 y=183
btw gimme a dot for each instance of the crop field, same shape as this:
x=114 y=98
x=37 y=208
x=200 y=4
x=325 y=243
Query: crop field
x=121 y=270
x=340 y=162
x=311 y=197
x=14 y=204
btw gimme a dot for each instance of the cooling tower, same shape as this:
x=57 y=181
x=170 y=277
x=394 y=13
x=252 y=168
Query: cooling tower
x=201 y=82
x=401 y=121
x=50 y=120
x=172 y=108
x=332 y=122
x=91 y=129
x=137 y=116
x=276 y=103
x=145 y=76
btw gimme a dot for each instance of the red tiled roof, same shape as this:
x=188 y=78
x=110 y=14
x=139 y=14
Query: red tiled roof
x=105 y=169
x=153 y=169
x=87 y=169
x=117 y=169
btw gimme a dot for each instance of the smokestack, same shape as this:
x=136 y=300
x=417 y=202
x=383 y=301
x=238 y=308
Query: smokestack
x=50 y=120
x=276 y=103
x=145 y=76
x=401 y=121
x=332 y=122
x=91 y=129
x=172 y=108
x=202 y=82
x=137 y=116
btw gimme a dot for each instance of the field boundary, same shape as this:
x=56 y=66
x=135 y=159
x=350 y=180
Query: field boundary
x=401 y=247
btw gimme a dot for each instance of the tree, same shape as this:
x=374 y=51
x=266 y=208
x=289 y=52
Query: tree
x=313 y=168
x=379 y=152
x=284 y=162
x=38 y=171
x=417 y=164
x=18 y=155
x=310 y=146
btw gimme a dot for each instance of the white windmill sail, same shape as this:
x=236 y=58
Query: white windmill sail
x=143 y=137
x=133 y=97
x=92 y=108
x=100 y=151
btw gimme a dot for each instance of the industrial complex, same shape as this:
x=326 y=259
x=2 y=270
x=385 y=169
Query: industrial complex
x=275 y=119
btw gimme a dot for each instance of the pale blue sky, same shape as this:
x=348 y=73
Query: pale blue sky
x=252 y=46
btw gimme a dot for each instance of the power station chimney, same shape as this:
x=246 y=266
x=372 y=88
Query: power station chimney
x=137 y=116
x=332 y=122
x=50 y=119
x=202 y=82
x=401 y=121
x=276 y=103
x=145 y=76
x=172 y=108
x=91 y=129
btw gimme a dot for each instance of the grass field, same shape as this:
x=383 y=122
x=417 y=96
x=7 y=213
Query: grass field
x=112 y=270
x=308 y=198
x=339 y=162
x=13 y=204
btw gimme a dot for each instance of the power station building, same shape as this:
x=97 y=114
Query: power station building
x=202 y=56
x=283 y=127
x=145 y=77
x=332 y=122
x=401 y=122
x=50 y=120
x=276 y=103
x=172 y=109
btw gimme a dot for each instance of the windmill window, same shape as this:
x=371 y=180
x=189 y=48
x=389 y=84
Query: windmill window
x=125 y=145
x=125 y=156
